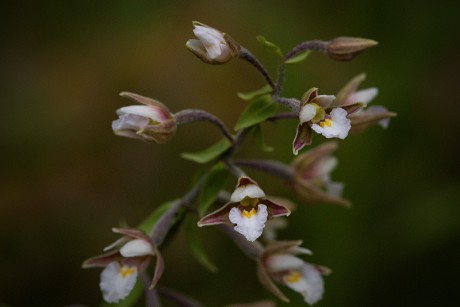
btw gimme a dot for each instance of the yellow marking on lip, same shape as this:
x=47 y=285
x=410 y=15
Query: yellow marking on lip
x=249 y=214
x=327 y=122
x=247 y=201
x=126 y=271
x=293 y=277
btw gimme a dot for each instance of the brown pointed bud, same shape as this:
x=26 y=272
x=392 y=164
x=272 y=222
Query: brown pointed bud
x=346 y=48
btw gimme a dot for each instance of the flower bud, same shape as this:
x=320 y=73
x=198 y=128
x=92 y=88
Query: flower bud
x=151 y=122
x=346 y=48
x=212 y=45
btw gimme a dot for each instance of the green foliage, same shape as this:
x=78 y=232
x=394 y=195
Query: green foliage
x=213 y=183
x=195 y=245
x=269 y=45
x=209 y=153
x=257 y=112
x=298 y=58
x=150 y=221
x=252 y=95
x=259 y=139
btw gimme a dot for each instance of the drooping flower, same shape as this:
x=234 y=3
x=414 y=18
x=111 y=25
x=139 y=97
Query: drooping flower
x=280 y=263
x=123 y=261
x=212 y=45
x=363 y=118
x=319 y=113
x=150 y=122
x=312 y=181
x=248 y=210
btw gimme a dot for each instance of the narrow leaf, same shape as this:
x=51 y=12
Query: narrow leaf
x=259 y=139
x=256 y=112
x=299 y=58
x=196 y=246
x=269 y=45
x=251 y=95
x=209 y=153
x=211 y=187
x=150 y=221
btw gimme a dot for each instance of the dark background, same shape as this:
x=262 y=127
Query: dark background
x=66 y=179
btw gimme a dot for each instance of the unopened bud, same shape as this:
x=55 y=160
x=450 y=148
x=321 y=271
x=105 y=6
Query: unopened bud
x=212 y=45
x=346 y=48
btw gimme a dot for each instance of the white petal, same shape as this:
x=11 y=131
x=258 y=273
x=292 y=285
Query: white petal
x=136 y=248
x=315 y=284
x=379 y=109
x=117 y=281
x=145 y=111
x=249 y=190
x=283 y=262
x=307 y=113
x=340 y=125
x=251 y=227
x=364 y=96
x=213 y=41
x=130 y=122
x=310 y=283
x=325 y=166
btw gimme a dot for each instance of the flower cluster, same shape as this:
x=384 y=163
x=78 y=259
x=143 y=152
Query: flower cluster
x=248 y=215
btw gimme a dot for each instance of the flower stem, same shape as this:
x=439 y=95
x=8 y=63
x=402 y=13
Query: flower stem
x=291 y=103
x=316 y=45
x=161 y=228
x=192 y=115
x=285 y=115
x=269 y=166
x=246 y=55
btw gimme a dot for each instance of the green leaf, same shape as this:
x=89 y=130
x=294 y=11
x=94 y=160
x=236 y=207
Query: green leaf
x=256 y=112
x=269 y=45
x=150 y=221
x=259 y=139
x=298 y=58
x=211 y=187
x=196 y=246
x=209 y=153
x=131 y=299
x=251 y=95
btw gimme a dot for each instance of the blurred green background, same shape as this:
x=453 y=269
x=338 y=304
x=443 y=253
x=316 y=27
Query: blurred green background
x=66 y=179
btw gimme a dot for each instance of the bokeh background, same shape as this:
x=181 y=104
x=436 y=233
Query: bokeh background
x=66 y=179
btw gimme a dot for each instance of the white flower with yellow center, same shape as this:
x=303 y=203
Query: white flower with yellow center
x=117 y=281
x=335 y=126
x=307 y=281
x=249 y=217
x=248 y=210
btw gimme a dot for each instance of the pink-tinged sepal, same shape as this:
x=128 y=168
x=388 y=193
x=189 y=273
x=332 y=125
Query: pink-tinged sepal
x=220 y=216
x=275 y=210
x=302 y=138
x=366 y=118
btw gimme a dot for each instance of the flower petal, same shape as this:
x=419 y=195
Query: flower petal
x=335 y=127
x=137 y=248
x=283 y=262
x=117 y=281
x=302 y=138
x=249 y=224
